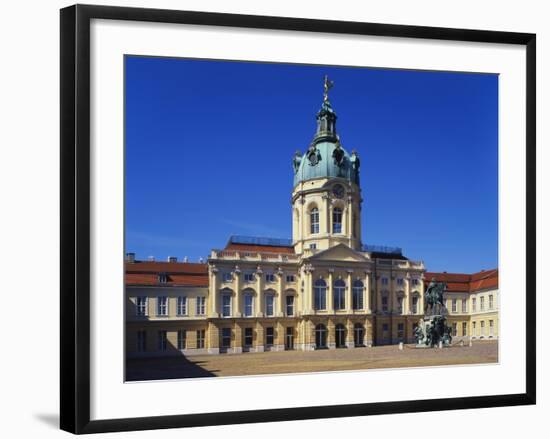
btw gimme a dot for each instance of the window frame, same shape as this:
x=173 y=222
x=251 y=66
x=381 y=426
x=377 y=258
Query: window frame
x=145 y=306
x=314 y=226
x=162 y=305
x=180 y=300
x=200 y=305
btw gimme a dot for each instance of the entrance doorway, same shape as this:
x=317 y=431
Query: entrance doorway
x=358 y=335
x=320 y=336
x=289 y=339
x=340 y=336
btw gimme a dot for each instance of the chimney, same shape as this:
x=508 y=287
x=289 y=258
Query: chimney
x=151 y=259
x=201 y=260
x=172 y=259
x=130 y=258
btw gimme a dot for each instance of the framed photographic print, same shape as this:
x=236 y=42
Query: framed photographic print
x=253 y=205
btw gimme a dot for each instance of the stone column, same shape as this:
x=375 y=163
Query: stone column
x=237 y=342
x=406 y=299
x=213 y=339
x=349 y=220
x=327 y=214
x=331 y=334
x=349 y=307
x=259 y=292
x=280 y=310
x=330 y=292
x=367 y=303
x=236 y=309
x=259 y=337
x=213 y=293
x=350 y=334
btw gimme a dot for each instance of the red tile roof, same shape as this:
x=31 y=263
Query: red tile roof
x=177 y=273
x=260 y=248
x=457 y=282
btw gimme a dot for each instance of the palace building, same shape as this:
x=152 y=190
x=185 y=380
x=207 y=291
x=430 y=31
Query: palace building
x=322 y=289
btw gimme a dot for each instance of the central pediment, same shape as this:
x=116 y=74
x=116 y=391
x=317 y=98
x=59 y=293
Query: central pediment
x=340 y=252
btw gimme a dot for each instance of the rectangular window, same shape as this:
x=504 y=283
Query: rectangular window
x=455 y=329
x=384 y=281
x=464 y=306
x=385 y=329
x=182 y=305
x=248 y=336
x=200 y=338
x=270 y=277
x=474 y=304
x=491 y=302
x=227 y=277
x=226 y=305
x=384 y=303
x=415 y=305
x=162 y=340
x=249 y=277
x=482 y=303
x=482 y=327
x=269 y=301
x=314 y=217
x=226 y=337
x=357 y=298
x=141 y=306
x=312 y=246
x=248 y=305
x=290 y=306
x=453 y=306
x=491 y=328
x=399 y=281
x=141 y=337
x=269 y=336
x=400 y=330
x=400 y=305
x=464 y=328
x=162 y=306
x=201 y=305
x=337 y=221
x=474 y=329
x=290 y=278
x=415 y=282
x=182 y=339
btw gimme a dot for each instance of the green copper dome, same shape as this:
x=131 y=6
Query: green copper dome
x=325 y=156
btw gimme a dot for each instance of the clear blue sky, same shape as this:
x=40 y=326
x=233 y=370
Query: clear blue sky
x=209 y=147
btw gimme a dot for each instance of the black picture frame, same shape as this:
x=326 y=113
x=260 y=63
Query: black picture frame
x=75 y=218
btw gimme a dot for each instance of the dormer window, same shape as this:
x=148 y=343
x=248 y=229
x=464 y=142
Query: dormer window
x=162 y=278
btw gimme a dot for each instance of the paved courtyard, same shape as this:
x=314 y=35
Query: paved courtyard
x=315 y=361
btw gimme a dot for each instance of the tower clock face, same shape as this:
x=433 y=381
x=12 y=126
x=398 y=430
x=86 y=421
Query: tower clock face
x=338 y=191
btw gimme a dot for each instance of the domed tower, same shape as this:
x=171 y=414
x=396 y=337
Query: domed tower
x=326 y=199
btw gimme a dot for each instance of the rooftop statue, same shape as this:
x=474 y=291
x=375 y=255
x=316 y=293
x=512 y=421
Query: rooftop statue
x=327 y=85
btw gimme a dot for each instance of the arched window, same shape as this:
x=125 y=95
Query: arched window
x=339 y=294
x=320 y=293
x=320 y=336
x=340 y=336
x=357 y=294
x=314 y=218
x=358 y=335
x=337 y=220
